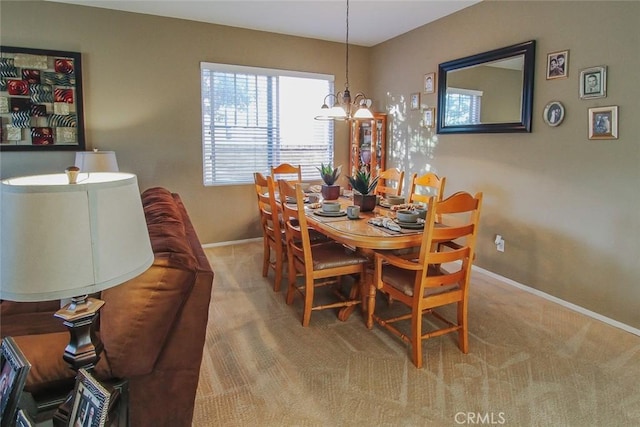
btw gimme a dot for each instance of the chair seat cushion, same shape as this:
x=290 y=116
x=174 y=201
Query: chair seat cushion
x=403 y=280
x=331 y=255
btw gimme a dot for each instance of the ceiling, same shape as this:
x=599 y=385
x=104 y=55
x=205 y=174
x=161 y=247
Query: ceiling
x=370 y=21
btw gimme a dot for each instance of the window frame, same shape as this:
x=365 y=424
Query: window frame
x=327 y=135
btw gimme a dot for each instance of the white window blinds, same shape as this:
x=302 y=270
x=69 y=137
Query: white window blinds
x=463 y=106
x=256 y=118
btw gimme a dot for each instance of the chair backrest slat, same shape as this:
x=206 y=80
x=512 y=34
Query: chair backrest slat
x=287 y=171
x=463 y=210
x=386 y=180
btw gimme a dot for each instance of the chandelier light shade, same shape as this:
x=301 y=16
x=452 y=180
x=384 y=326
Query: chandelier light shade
x=96 y=161
x=343 y=107
x=61 y=240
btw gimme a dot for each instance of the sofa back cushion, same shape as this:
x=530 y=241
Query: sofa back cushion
x=139 y=314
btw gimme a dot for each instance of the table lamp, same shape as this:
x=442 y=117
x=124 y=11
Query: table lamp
x=62 y=240
x=96 y=161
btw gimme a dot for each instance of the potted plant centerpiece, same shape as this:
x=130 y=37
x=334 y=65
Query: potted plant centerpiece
x=363 y=186
x=329 y=174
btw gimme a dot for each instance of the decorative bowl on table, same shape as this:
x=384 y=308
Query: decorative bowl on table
x=395 y=200
x=407 y=216
x=330 y=206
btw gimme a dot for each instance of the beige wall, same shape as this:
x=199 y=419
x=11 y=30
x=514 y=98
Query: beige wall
x=142 y=96
x=566 y=206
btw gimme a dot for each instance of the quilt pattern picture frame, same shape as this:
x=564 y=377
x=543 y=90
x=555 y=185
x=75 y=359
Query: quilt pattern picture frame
x=41 y=101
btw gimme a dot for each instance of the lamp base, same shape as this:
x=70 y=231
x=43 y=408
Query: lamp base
x=84 y=348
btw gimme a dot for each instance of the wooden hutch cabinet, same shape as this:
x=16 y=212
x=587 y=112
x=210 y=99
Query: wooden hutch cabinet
x=368 y=144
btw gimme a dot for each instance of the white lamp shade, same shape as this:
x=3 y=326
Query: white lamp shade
x=96 y=161
x=62 y=240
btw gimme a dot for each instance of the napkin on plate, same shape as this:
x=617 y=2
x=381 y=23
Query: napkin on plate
x=386 y=223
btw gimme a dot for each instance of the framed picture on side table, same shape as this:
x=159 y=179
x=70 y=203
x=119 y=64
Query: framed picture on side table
x=90 y=402
x=23 y=419
x=14 y=368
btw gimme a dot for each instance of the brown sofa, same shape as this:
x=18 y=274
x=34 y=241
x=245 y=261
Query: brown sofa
x=153 y=326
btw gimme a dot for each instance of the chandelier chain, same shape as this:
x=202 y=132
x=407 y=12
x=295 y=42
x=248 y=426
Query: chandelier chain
x=347 y=50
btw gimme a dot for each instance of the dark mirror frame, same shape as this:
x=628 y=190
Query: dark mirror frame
x=528 y=50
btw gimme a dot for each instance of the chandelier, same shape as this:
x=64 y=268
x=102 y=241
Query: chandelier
x=343 y=107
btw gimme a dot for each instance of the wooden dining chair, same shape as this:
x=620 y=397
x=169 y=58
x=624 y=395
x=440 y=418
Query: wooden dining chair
x=286 y=171
x=434 y=277
x=274 y=243
x=386 y=182
x=425 y=186
x=320 y=264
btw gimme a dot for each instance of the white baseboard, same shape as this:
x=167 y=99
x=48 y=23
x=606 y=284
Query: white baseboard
x=232 y=242
x=563 y=303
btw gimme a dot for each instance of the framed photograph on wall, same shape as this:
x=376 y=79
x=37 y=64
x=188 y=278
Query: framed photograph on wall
x=415 y=101
x=90 y=401
x=14 y=368
x=558 y=65
x=429 y=83
x=593 y=82
x=553 y=113
x=603 y=122
x=428 y=117
x=41 y=102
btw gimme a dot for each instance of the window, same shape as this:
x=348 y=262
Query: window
x=463 y=106
x=256 y=118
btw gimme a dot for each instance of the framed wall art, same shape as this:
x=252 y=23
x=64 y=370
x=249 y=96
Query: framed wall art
x=603 y=122
x=553 y=113
x=429 y=83
x=428 y=117
x=90 y=401
x=593 y=82
x=14 y=368
x=41 y=104
x=558 y=65
x=415 y=101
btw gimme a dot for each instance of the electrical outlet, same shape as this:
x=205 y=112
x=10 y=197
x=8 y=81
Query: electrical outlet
x=499 y=241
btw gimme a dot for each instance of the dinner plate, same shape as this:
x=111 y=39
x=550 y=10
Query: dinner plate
x=412 y=225
x=320 y=212
x=384 y=204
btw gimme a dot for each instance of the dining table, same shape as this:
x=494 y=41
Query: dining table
x=359 y=234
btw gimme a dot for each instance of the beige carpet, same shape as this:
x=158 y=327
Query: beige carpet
x=531 y=363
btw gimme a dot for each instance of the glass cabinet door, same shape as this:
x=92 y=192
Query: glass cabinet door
x=367 y=143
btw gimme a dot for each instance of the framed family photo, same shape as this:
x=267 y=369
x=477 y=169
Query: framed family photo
x=428 y=116
x=593 y=82
x=430 y=83
x=558 y=65
x=90 y=402
x=415 y=101
x=553 y=113
x=14 y=368
x=603 y=122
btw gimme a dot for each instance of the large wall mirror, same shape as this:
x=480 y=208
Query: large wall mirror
x=488 y=92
